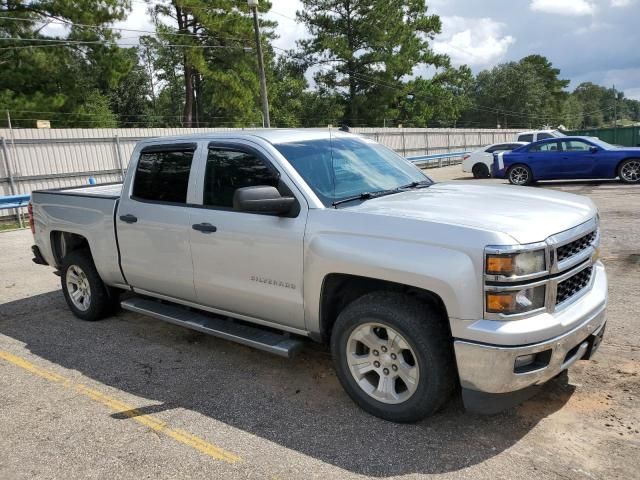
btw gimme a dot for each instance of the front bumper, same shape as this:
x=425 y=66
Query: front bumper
x=491 y=368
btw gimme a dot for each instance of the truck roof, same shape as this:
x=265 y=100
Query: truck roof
x=274 y=136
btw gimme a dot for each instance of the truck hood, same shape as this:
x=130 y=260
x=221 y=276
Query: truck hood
x=526 y=214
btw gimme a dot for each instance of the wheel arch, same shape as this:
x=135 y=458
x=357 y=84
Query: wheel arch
x=519 y=164
x=340 y=289
x=62 y=243
x=619 y=164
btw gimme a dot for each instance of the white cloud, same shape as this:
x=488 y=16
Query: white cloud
x=573 y=8
x=633 y=93
x=288 y=30
x=477 y=42
x=621 y=3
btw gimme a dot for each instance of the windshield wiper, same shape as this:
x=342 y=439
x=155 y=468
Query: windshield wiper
x=420 y=184
x=366 y=196
x=382 y=193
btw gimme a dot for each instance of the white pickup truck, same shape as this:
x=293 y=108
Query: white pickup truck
x=267 y=237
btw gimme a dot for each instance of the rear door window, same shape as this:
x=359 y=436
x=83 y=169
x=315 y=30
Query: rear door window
x=162 y=174
x=543 y=135
x=527 y=137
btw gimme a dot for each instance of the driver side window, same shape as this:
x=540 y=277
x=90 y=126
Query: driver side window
x=227 y=170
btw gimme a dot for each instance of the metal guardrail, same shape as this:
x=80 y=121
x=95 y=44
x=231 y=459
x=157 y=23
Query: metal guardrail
x=15 y=202
x=438 y=159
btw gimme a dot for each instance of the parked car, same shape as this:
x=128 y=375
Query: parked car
x=535 y=135
x=418 y=287
x=568 y=158
x=479 y=162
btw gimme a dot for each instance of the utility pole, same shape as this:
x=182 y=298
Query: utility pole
x=253 y=5
x=615 y=115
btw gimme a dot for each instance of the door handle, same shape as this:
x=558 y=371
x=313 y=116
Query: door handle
x=128 y=218
x=204 y=227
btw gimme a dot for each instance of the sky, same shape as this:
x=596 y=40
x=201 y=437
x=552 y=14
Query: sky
x=588 y=40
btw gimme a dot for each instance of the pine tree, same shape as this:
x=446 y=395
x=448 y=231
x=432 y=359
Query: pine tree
x=217 y=61
x=55 y=80
x=364 y=48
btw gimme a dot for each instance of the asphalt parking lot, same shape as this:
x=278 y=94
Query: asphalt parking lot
x=132 y=397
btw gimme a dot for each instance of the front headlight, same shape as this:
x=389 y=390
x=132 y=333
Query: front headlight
x=516 y=301
x=515 y=264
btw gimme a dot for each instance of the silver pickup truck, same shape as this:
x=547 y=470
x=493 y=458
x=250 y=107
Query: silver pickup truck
x=267 y=237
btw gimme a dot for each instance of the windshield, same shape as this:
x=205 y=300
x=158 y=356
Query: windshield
x=356 y=167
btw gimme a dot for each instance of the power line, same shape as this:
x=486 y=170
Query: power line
x=58 y=21
x=68 y=43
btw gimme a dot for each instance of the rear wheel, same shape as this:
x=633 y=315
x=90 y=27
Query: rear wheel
x=480 y=170
x=393 y=356
x=629 y=170
x=86 y=294
x=520 y=175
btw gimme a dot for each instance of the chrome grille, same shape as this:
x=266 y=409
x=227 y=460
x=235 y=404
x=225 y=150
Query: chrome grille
x=575 y=247
x=572 y=285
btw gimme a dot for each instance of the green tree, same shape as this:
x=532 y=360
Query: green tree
x=287 y=85
x=437 y=101
x=594 y=104
x=572 y=113
x=219 y=73
x=51 y=79
x=526 y=94
x=96 y=112
x=132 y=99
x=364 y=48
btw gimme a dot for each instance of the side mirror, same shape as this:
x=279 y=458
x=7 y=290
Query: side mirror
x=262 y=199
x=593 y=149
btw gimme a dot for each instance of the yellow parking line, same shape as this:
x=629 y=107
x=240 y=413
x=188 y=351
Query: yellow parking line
x=113 y=403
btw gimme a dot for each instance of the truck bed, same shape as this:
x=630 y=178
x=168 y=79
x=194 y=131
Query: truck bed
x=108 y=190
x=87 y=211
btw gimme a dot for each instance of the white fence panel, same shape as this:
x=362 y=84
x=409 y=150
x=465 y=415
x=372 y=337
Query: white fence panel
x=54 y=158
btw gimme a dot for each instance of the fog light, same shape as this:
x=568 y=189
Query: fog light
x=524 y=360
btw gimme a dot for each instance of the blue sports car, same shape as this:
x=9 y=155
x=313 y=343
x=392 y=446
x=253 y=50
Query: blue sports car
x=567 y=158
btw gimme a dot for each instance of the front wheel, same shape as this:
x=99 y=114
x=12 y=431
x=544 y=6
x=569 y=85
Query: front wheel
x=86 y=295
x=629 y=170
x=393 y=356
x=520 y=175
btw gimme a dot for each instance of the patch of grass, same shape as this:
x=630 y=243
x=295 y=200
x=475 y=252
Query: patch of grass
x=10 y=225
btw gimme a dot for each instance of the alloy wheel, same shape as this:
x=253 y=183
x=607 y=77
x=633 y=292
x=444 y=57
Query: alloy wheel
x=382 y=363
x=519 y=176
x=78 y=288
x=630 y=171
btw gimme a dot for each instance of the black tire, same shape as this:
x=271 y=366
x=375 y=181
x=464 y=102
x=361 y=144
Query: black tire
x=103 y=299
x=480 y=170
x=633 y=175
x=427 y=335
x=529 y=173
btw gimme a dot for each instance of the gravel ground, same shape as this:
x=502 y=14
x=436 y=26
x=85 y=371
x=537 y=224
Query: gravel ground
x=131 y=397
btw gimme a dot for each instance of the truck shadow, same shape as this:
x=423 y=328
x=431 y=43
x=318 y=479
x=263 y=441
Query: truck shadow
x=297 y=403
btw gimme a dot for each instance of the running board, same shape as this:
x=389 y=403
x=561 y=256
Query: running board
x=262 y=339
